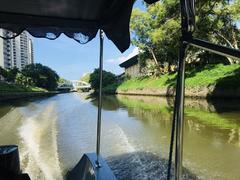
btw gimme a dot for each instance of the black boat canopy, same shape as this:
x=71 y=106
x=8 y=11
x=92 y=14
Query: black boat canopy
x=78 y=19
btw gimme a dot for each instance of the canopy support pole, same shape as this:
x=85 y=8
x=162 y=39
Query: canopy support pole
x=187 y=27
x=179 y=109
x=99 y=115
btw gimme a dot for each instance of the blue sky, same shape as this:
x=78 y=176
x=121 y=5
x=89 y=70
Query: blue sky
x=71 y=60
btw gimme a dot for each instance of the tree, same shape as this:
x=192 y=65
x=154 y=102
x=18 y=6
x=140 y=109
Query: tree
x=23 y=80
x=11 y=74
x=217 y=22
x=42 y=76
x=108 y=78
x=3 y=72
x=156 y=30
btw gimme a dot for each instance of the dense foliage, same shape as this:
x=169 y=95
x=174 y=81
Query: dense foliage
x=41 y=76
x=108 y=79
x=11 y=87
x=24 y=80
x=156 y=30
x=9 y=75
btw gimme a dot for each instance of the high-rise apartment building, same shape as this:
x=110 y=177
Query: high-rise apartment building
x=5 y=51
x=17 y=52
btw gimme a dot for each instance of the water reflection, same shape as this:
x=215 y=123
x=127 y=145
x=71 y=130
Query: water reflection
x=211 y=140
x=53 y=133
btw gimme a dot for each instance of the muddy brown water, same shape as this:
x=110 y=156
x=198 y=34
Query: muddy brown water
x=52 y=134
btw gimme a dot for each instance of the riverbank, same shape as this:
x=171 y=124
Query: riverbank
x=11 y=87
x=14 y=91
x=4 y=96
x=210 y=81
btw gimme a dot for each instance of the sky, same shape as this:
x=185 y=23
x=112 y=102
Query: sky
x=72 y=60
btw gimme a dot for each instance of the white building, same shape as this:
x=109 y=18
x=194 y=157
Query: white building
x=17 y=52
x=5 y=51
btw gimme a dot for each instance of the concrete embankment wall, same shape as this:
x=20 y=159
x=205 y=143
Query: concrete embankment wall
x=4 y=96
x=203 y=92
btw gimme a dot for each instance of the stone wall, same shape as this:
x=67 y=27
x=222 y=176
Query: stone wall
x=203 y=92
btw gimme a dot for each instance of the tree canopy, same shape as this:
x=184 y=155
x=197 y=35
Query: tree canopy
x=9 y=74
x=108 y=78
x=156 y=30
x=41 y=76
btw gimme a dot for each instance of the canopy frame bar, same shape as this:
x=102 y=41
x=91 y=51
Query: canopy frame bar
x=214 y=48
x=187 y=28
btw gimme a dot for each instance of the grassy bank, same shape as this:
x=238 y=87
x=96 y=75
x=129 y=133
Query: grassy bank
x=5 y=87
x=217 y=76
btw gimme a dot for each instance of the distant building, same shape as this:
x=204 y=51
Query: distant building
x=5 y=51
x=131 y=66
x=17 y=52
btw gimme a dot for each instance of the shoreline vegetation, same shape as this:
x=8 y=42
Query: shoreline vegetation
x=209 y=81
x=34 y=80
x=10 y=91
x=13 y=87
x=157 y=40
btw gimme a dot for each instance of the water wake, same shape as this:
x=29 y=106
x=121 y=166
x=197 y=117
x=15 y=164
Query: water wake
x=38 y=147
x=142 y=165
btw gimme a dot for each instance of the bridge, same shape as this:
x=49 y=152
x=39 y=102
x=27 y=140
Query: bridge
x=67 y=86
x=80 y=85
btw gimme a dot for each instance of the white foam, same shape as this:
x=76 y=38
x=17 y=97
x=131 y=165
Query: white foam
x=39 y=145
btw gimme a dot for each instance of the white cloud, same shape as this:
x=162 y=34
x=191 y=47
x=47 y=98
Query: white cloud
x=121 y=59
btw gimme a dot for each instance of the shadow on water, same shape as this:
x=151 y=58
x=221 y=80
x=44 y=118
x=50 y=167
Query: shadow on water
x=165 y=104
x=222 y=105
x=218 y=113
x=142 y=165
x=4 y=110
x=110 y=103
x=228 y=86
x=6 y=106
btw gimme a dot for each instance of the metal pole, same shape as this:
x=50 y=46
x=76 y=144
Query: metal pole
x=180 y=111
x=172 y=134
x=99 y=116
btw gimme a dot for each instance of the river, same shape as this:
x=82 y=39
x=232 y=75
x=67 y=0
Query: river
x=53 y=133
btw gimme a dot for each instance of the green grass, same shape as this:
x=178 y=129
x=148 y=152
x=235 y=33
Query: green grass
x=225 y=75
x=210 y=75
x=5 y=87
